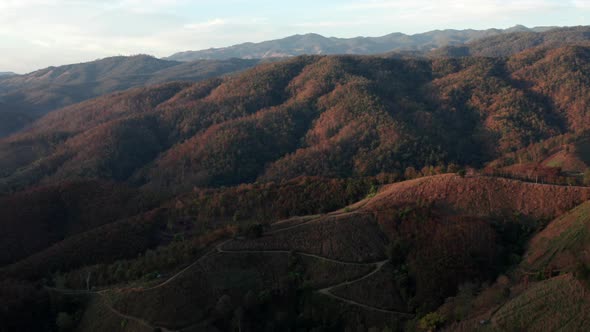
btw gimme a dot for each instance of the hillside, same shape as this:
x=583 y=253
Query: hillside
x=315 y=193
x=310 y=44
x=547 y=291
x=24 y=98
x=35 y=219
x=317 y=116
x=483 y=196
x=385 y=261
x=561 y=159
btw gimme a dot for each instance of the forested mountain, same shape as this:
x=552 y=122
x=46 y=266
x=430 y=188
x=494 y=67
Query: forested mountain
x=332 y=116
x=24 y=98
x=315 y=193
x=314 y=44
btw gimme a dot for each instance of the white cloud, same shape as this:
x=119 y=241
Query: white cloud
x=206 y=25
x=332 y=24
x=455 y=7
x=583 y=4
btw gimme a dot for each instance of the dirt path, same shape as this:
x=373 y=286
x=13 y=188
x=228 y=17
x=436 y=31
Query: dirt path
x=378 y=266
x=219 y=249
x=135 y=319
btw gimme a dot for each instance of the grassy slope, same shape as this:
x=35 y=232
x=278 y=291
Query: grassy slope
x=483 y=196
x=557 y=302
x=563 y=243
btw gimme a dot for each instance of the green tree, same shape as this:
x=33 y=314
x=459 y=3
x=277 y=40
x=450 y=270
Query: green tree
x=432 y=322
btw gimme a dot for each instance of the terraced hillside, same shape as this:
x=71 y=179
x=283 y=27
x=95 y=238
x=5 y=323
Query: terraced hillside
x=383 y=262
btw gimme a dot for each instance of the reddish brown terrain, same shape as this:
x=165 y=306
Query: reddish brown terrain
x=317 y=193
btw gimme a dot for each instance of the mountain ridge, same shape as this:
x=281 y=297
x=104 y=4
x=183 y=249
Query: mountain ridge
x=330 y=116
x=24 y=98
x=313 y=43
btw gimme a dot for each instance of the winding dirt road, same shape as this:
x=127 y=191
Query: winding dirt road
x=219 y=249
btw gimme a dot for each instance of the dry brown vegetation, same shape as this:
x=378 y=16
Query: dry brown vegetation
x=559 y=303
x=315 y=116
x=352 y=237
x=379 y=291
x=561 y=246
x=304 y=137
x=482 y=196
x=198 y=291
x=35 y=219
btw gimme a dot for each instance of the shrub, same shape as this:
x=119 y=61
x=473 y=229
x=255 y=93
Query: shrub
x=432 y=321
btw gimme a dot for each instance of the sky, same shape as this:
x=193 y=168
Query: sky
x=36 y=34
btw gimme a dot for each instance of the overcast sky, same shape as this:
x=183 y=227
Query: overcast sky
x=38 y=33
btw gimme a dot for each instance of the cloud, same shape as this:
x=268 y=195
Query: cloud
x=583 y=4
x=54 y=32
x=148 y=6
x=205 y=25
x=332 y=24
x=454 y=9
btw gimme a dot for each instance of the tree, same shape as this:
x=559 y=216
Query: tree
x=410 y=173
x=452 y=168
x=432 y=321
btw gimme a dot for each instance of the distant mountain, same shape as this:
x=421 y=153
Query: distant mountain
x=6 y=74
x=24 y=98
x=317 y=44
x=517 y=41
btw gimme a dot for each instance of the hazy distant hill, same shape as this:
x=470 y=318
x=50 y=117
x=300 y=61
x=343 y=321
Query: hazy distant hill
x=317 y=44
x=6 y=73
x=24 y=98
x=518 y=41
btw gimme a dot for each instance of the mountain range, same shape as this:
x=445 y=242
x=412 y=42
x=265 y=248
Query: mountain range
x=25 y=98
x=435 y=190
x=317 y=44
